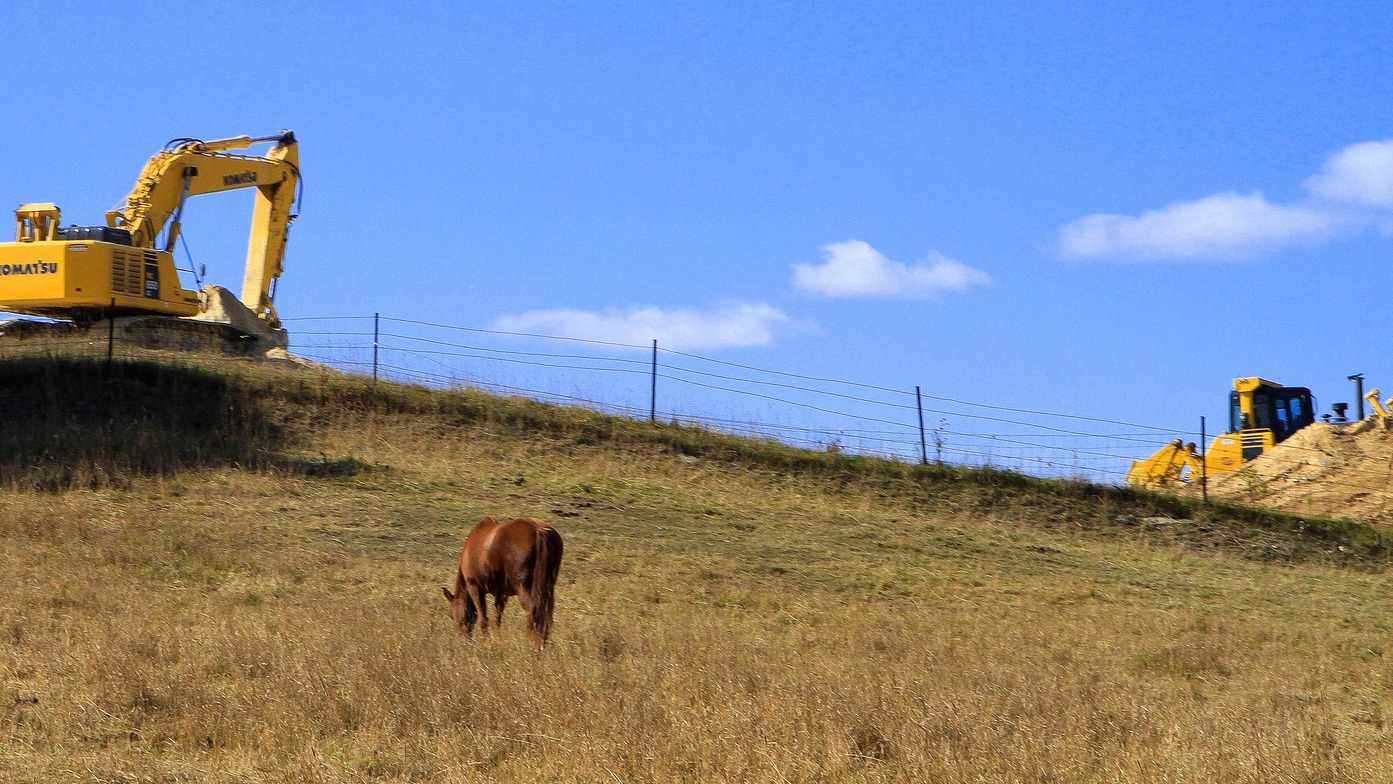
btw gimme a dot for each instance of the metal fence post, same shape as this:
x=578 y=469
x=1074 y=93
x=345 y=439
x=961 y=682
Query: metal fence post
x=1204 y=467
x=110 y=331
x=923 y=442
x=653 y=397
x=376 y=318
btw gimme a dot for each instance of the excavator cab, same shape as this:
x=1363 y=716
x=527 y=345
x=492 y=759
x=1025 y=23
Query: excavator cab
x=1259 y=404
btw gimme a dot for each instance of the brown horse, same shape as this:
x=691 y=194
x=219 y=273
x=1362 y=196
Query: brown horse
x=515 y=558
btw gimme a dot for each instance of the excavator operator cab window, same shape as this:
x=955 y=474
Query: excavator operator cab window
x=1295 y=409
x=1262 y=411
x=1283 y=410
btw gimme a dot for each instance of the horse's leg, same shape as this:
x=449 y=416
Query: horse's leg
x=500 y=600
x=525 y=599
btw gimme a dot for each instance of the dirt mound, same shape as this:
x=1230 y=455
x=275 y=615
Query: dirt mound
x=1340 y=471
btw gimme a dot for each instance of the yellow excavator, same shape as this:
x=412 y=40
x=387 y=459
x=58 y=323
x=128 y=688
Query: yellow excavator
x=1262 y=414
x=125 y=268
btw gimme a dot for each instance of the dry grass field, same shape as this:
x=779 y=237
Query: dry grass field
x=249 y=591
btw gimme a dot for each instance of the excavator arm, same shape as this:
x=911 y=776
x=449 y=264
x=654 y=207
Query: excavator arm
x=189 y=167
x=1167 y=467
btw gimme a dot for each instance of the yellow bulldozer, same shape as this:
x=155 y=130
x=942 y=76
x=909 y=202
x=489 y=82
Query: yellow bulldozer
x=126 y=268
x=1262 y=414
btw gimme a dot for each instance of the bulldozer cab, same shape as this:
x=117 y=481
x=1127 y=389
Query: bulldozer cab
x=1259 y=404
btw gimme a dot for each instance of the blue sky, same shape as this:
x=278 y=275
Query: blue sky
x=1109 y=208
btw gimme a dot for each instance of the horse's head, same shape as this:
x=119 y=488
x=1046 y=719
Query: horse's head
x=462 y=610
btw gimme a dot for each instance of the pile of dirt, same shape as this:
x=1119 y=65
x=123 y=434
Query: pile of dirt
x=1332 y=470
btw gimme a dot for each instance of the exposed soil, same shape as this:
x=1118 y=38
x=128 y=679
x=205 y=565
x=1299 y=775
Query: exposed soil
x=1336 y=471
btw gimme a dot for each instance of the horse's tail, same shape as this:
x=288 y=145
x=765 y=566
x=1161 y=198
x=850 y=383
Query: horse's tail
x=548 y=549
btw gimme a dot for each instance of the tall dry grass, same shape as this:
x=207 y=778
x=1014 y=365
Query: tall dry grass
x=234 y=628
x=714 y=623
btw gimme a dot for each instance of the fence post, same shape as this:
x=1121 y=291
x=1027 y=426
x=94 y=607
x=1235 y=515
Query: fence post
x=1204 y=466
x=923 y=442
x=376 y=318
x=110 y=331
x=653 y=397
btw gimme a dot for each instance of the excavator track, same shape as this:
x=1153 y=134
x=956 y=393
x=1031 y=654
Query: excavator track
x=146 y=333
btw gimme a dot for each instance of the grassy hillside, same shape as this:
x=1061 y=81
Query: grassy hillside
x=230 y=572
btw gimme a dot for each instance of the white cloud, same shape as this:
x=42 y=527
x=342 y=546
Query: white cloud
x=1354 y=190
x=1225 y=225
x=855 y=269
x=1360 y=174
x=747 y=324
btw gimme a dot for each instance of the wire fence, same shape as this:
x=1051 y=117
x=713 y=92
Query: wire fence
x=654 y=382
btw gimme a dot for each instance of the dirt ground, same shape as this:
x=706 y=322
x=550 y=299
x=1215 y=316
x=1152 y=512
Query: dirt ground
x=1341 y=471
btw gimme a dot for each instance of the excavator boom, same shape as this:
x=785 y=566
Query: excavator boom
x=192 y=168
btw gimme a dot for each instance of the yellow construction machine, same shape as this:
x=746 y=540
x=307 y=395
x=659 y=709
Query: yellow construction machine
x=125 y=268
x=1262 y=414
